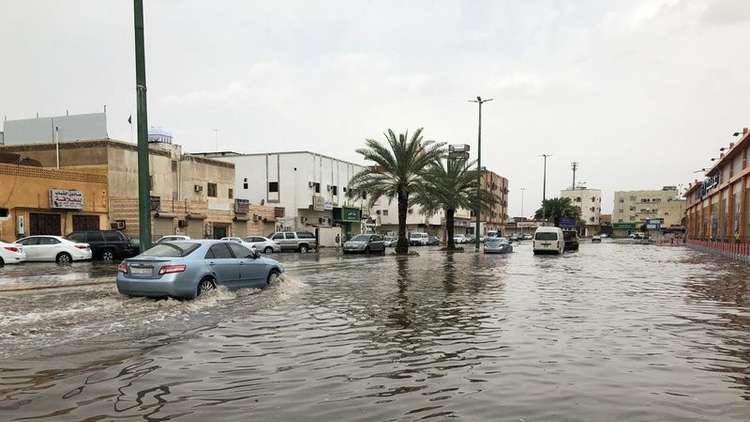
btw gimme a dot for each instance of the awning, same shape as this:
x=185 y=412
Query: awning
x=240 y=217
x=197 y=216
x=158 y=214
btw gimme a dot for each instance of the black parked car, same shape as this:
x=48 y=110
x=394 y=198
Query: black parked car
x=106 y=244
x=571 y=240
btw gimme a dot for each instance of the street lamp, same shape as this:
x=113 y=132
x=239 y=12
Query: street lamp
x=479 y=101
x=522 y=192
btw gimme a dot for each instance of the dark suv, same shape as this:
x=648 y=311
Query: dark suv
x=106 y=244
x=571 y=240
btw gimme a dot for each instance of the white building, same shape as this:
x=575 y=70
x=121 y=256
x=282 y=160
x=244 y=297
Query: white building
x=589 y=202
x=311 y=188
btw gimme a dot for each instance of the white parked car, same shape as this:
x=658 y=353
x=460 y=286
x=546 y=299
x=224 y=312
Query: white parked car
x=419 y=239
x=54 y=249
x=263 y=244
x=459 y=238
x=549 y=240
x=11 y=253
x=172 y=238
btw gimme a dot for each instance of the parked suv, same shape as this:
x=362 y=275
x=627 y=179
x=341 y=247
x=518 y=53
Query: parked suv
x=106 y=244
x=295 y=241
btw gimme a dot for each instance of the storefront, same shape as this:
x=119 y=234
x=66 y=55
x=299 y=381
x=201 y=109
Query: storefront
x=349 y=219
x=623 y=229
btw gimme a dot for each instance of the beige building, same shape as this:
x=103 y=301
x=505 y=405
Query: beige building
x=495 y=218
x=589 y=204
x=632 y=209
x=189 y=195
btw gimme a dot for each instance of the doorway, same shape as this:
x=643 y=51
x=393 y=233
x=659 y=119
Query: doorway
x=40 y=224
x=220 y=230
x=85 y=222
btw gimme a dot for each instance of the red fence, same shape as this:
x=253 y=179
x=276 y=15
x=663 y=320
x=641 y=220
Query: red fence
x=733 y=250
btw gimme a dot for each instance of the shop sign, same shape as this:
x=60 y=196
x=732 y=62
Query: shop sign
x=567 y=222
x=708 y=185
x=155 y=203
x=66 y=199
x=347 y=215
x=318 y=203
x=241 y=206
x=327 y=206
x=527 y=224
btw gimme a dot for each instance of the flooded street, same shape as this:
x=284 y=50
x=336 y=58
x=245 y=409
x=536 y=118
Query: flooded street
x=612 y=332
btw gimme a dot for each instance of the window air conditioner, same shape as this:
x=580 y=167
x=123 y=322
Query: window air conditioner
x=310 y=184
x=198 y=188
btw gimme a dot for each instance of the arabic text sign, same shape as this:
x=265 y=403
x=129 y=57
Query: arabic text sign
x=66 y=199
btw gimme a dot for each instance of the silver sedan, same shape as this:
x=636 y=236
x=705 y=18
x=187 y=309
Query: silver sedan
x=262 y=244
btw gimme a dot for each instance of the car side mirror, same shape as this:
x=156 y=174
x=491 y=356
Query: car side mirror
x=254 y=254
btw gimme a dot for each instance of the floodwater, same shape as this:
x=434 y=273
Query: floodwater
x=612 y=332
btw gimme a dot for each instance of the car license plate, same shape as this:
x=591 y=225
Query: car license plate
x=141 y=270
x=546 y=244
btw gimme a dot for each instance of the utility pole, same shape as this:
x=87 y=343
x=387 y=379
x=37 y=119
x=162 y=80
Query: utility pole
x=574 y=166
x=523 y=190
x=477 y=209
x=544 y=184
x=144 y=188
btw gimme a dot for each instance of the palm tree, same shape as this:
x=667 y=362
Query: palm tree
x=449 y=187
x=399 y=165
x=556 y=208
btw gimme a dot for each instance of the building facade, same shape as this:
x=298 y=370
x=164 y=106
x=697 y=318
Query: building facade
x=189 y=195
x=634 y=209
x=497 y=216
x=309 y=190
x=48 y=130
x=717 y=214
x=589 y=204
x=35 y=201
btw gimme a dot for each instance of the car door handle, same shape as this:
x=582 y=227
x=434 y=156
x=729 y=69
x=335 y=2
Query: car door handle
x=211 y=263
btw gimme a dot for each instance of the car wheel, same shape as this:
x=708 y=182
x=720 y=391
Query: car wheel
x=268 y=250
x=206 y=285
x=2 y=262
x=273 y=277
x=108 y=255
x=303 y=249
x=64 y=258
x=367 y=250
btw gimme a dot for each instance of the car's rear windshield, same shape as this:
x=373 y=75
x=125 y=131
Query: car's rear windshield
x=546 y=236
x=172 y=249
x=360 y=238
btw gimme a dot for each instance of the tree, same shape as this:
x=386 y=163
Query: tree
x=556 y=208
x=400 y=163
x=449 y=185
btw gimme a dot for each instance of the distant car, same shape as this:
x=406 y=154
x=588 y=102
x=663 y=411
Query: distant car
x=54 y=249
x=172 y=238
x=548 y=240
x=604 y=235
x=527 y=237
x=433 y=241
x=106 y=245
x=365 y=243
x=418 y=239
x=11 y=253
x=390 y=241
x=193 y=267
x=295 y=241
x=459 y=239
x=497 y=245
x=571 y=240
x=262 y=244
x=493 y=233
x=596 y=239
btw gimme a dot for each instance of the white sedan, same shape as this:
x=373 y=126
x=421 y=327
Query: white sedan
x=10 y=253
x=263 y=244
x=54 y=249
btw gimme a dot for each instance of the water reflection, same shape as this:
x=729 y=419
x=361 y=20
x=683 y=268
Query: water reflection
x=613 y=332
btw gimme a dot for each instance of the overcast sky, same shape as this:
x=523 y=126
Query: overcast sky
x=640 y=92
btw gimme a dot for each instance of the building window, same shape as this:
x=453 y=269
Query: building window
x=244 y=183
x=335 y=190
x=231 y=193
x=385 y=212
x=364 y=195
x=211 y=190
x=377 y=212
x=622 y=200
x=273 y=187
x=317 y=187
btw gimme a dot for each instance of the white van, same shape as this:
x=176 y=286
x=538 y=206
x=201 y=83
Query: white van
x=549 y=240
x=419 y=239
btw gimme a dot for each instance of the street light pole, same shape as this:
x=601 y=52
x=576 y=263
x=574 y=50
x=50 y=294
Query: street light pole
x=544 y=184
x=523 y=190
x=144 y=188
x=479 y=101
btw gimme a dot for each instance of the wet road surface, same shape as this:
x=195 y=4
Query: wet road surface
x=612 y=332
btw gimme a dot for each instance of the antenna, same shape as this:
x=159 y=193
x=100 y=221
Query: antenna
x=574 y=166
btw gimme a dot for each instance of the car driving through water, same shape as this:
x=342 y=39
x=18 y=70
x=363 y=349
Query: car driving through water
x=187 y=269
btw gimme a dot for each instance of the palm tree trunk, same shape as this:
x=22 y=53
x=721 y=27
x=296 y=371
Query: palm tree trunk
x=449 y=227
x=402 y=247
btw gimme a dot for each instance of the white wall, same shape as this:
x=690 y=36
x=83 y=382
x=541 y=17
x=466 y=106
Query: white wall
x=586 y=204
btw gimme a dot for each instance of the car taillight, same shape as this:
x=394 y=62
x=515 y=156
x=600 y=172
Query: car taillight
x=12 y=248
x=122 y=268
x=82 y=246
x=169 y=269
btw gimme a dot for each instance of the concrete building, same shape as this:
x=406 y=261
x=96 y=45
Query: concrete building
x=310 y=190
x=633 y=209
x=48 y=130
x=190 y=195
x=589 y=204
x=718 y=207
x=497 y=217
x=385 y=218
x=35 y=200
